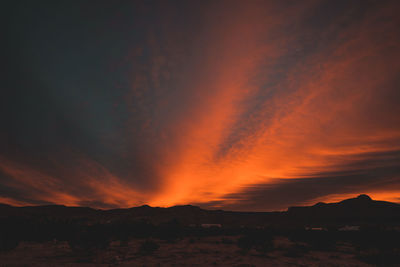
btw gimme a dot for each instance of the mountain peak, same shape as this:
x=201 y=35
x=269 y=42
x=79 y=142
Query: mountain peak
x=364 y=197
x=320 y=204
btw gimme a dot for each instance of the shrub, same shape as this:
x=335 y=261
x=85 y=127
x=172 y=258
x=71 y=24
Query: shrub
x=148 y=247
x=91 y=238
x=8 y=243
x=261 y=242
x=296 y=251
x=381 y=258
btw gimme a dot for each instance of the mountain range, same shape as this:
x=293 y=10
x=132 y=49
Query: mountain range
x=361 y=209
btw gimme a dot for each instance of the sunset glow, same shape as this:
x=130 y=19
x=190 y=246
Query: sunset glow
x=241 y=105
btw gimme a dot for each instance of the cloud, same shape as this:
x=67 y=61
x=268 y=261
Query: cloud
x=244 y=105
x=375 y=174
x=325 y=106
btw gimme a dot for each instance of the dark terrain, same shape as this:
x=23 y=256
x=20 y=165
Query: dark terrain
x=353 y=232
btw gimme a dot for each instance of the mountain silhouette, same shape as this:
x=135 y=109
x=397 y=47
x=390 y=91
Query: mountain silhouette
x=354 y=210
x=361 y=208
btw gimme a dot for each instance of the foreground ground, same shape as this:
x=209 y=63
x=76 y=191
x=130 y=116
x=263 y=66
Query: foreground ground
x=197 y=251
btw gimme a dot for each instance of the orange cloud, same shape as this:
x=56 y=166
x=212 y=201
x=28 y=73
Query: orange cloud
x=319 y=116
x=250 y=93
x=89 y=183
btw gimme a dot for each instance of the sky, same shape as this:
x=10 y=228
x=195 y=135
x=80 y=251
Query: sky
x=236 y=105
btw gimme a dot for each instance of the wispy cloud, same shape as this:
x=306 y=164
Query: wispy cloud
x=243 y=105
